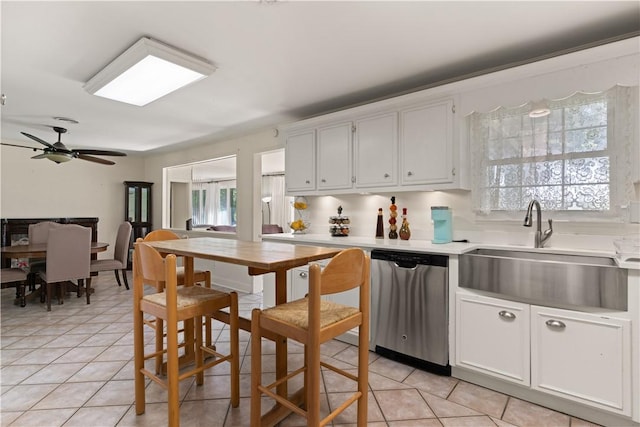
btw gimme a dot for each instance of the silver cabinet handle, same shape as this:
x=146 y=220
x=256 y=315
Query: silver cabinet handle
x=409 y=173
x=307 y=182
x=507 y=315
x=386 y=175
x=323 y=180
x=555 y=324
x=303 y=274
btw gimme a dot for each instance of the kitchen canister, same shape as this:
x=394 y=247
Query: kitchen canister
x=442 y=226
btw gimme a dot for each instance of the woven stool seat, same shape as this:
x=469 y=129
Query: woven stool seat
x=297 y=313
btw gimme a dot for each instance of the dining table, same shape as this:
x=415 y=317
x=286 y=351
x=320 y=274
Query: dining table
x=39 y=250
x=259 y=258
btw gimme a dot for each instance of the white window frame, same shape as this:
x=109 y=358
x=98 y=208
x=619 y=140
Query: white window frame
x=622 y=108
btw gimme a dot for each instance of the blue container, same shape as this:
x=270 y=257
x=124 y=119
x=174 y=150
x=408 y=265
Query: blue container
x=442 y=226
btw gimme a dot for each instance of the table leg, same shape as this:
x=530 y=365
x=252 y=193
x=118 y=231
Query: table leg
x=281 y=342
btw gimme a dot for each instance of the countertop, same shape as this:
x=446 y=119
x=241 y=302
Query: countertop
x=454 y=248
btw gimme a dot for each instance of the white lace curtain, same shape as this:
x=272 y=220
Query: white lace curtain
x=278 y=211
x=577 y=158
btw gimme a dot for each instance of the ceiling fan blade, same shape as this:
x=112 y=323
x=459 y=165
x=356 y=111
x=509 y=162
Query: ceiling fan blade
x=40 y=156
x=100 y=152
x=95 y=159
x=22 y=146
x=41 y=141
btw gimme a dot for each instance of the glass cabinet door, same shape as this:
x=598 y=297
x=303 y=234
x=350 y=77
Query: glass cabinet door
x=138 y=210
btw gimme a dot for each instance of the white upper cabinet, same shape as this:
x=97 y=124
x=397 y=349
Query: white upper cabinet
x=376 y=151
x=408 y=143
x=335 y=161
x=300 y=161
x=426 y=144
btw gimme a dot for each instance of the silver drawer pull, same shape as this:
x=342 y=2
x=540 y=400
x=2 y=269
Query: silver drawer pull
x=303 y=274
x=386 y=175
x=556 y=324
x=507 y=315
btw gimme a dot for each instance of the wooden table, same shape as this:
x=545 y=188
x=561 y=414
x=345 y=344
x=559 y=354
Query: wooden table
x=260 y=258
x=40 y=251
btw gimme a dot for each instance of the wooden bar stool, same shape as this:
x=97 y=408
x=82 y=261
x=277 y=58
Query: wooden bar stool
x=173 y=305
x=199 y=276
x=312 y=321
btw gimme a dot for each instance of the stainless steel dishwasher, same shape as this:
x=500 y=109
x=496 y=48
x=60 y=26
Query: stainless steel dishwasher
x=410 y=308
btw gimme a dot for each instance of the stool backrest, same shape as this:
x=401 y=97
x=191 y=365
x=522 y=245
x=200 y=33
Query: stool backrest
x=157 y=235
x=150 y=264
x=347 y=270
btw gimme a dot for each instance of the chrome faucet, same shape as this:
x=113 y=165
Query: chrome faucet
x=540 y=237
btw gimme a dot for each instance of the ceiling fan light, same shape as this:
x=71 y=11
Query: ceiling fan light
x=58 y=157
x=146 y=71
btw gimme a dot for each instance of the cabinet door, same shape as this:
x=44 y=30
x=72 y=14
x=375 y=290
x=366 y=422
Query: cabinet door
x=426 y=144
x=376 y=151
x=492 y=337
x=334 y=157
x=300 y=161
x=299 y=283
x=582 y=357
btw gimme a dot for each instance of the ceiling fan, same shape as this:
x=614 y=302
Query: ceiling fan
x=59 y=153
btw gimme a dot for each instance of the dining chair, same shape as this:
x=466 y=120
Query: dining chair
x=175 y=304
x=15 y=277
x=199 y=276
x=120 y=255
x=312 y=321
x=68 y=258
x=38 y=234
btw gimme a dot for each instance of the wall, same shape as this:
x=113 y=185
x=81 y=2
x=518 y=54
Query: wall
x=41 y=189
x=247 y=149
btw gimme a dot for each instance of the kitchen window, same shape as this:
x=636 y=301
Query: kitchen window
x=576 y=160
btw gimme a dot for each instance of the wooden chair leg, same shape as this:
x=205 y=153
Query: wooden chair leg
x=62 y=288
x=87 y=289
x=124 y=277
x=49 y=289
x=363 y=374
x=256 y=367
x=23 y=296
x=199 y=352
x=172 y=374
x=312 y=374
x=117 y=277
x=138 y=358
x=159 y=344
x=235 y=350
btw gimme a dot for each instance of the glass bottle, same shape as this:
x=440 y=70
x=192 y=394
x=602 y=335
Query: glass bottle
x=380 y=226
x=405 y=232
x=393 y=213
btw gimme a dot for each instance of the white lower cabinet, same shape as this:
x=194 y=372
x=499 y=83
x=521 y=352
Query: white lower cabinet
x=579 y=356
x=492 y=336
x=582 y=357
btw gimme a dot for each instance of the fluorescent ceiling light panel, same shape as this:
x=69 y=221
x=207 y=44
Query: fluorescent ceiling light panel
x=146 y=71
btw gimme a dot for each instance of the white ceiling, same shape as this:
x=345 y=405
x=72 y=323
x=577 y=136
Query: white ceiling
x=277 y=61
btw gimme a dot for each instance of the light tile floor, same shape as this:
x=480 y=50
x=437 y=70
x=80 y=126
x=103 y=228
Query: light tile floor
x=73 y=367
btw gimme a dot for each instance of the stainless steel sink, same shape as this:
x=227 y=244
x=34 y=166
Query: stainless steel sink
x=551 y=279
